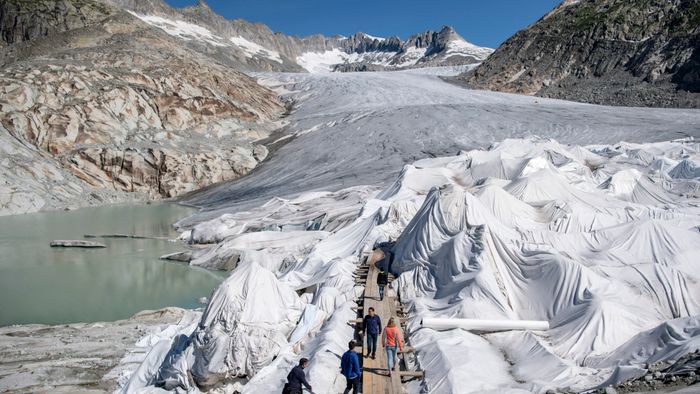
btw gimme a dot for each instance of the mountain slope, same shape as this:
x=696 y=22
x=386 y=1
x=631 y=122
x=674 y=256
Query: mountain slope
x=115 y=106
x=255 y=47
x=618 y=52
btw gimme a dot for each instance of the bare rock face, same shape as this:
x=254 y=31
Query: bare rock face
x=120 y=107
x=615 y=52
x=159 y=172
x=24 y=20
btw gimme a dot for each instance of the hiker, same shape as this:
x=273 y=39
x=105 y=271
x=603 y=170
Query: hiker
x=391 y=340
x=372 y=326
x=297 y=378
x=350 y=368
x=382 y=280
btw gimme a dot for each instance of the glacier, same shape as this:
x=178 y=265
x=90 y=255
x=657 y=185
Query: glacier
x=493 y=206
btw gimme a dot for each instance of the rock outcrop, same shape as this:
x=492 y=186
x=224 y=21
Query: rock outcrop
x=116 y=106
x=24 y=20
x=616 y=52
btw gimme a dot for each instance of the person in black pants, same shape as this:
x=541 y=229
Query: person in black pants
x=372 y=326
x=350 y=368
x=382 y=280
x=297 y=378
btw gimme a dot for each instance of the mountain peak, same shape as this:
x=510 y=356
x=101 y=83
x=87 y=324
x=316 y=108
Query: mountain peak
x=203 y=4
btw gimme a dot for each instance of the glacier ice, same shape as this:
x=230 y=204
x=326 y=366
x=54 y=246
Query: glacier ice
x=599 y=241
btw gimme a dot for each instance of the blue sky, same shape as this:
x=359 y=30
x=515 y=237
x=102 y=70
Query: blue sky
x=483 y=22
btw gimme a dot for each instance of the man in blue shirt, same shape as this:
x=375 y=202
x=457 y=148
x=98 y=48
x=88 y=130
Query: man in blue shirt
x=372 y=326
x=297 y=378
x=350 y=368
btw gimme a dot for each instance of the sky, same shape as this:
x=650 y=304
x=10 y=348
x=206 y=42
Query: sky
x=482 y=22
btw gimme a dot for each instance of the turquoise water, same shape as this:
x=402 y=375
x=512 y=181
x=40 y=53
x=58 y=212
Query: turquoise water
x=40 y=284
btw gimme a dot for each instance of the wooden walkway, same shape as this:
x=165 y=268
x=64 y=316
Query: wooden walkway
x=375 y=377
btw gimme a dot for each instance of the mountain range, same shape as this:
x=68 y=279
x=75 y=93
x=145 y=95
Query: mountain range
x=255 y=47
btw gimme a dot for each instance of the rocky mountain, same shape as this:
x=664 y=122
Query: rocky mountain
x=98 y=106
x=255 y=47
x=617 y=52
x=427 y=49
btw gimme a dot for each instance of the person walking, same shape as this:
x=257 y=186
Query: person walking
x=297 y=378
x=350 y=368
x=391 y=340
x=372 y=326
x=382 y=281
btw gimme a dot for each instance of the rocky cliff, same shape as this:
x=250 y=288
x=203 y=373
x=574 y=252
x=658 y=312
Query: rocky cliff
x=24 y=20
x=617 y=52
x=102 y=107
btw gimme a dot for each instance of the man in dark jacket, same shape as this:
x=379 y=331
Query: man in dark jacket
x=297 y=378
x=350 y=368
x=372 y=326
x=382 y=280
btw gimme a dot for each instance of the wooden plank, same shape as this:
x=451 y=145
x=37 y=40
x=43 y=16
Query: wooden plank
x=375 y=377
x=415 y=374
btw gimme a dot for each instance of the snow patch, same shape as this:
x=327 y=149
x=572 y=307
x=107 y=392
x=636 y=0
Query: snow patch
x=324 y=62
x=252 y=49
x=321 y=62
x=464 y=48
x=182 y=29
x=411 y=56
x=373 y=37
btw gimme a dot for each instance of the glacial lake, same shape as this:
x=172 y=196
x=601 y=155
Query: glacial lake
x=41 y=284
